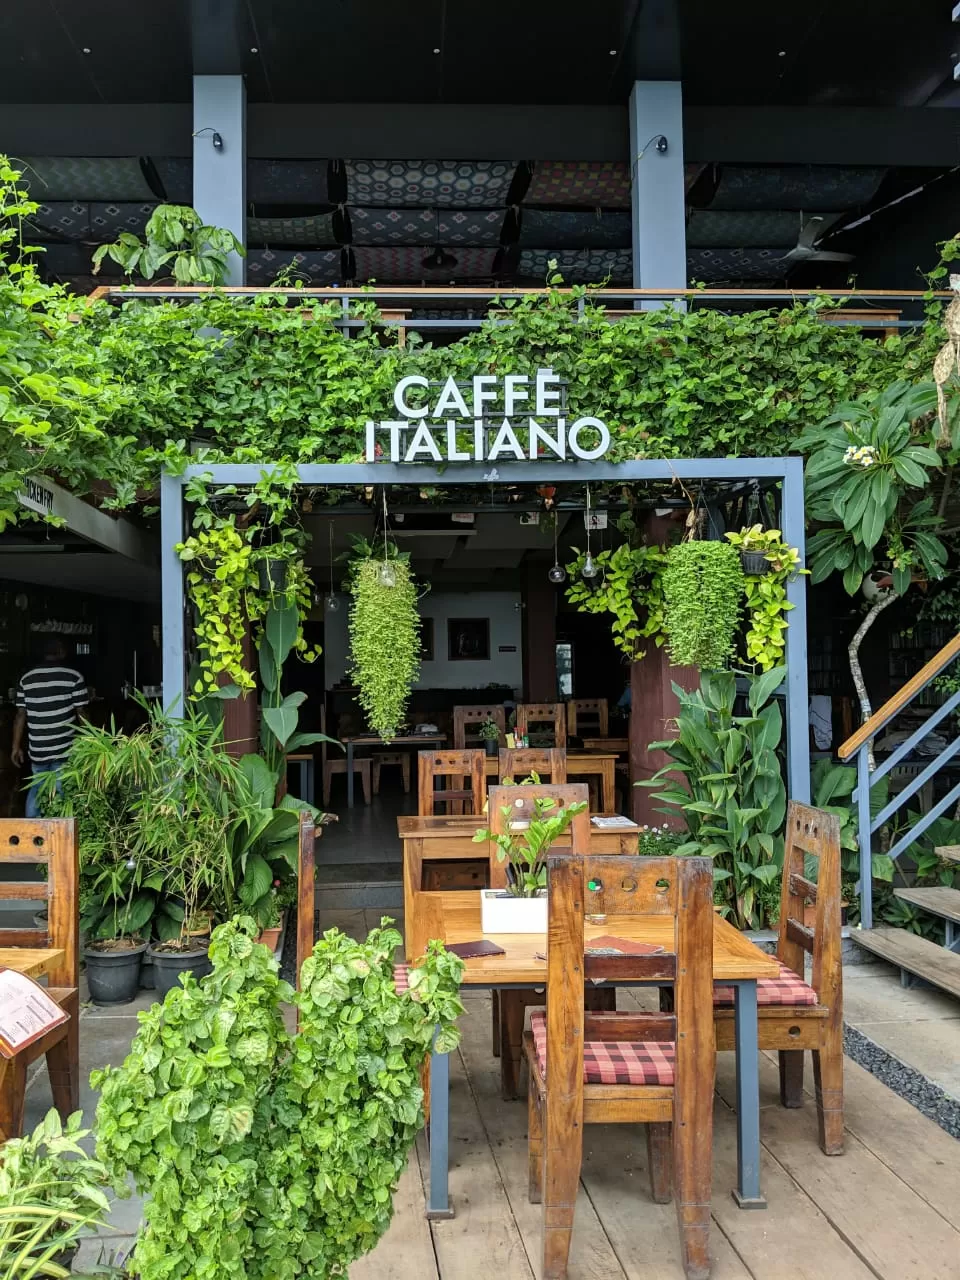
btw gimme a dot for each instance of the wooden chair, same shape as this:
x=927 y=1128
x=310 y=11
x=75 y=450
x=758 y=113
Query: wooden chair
x=457 y=766
x=338 y=765
x=793 y=1016
x=52 y=841
x=509 y=1007
x=634 y=1068
x=521 y=762
x=400 y=759
x=596 y=711
x=467 y=721
x=542 y=713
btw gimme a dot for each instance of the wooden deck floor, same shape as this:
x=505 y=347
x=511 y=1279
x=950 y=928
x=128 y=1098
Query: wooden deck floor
x=888 y=1208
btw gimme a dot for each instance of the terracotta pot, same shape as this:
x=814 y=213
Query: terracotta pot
x=270 y=937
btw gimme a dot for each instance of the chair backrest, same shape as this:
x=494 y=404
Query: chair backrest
x=52 y=841
x=458 y=766
x=467 y=722
x=812 y=833
x=596 y=713
x=621 y=888
x=306 y=889
x=521 y=804
x=519 y=762
x=543 y=713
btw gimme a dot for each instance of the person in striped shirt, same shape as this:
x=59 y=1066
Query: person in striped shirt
x=49 y=698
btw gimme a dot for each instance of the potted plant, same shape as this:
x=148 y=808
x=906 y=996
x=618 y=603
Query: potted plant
x=522 y=906
x=280 y=1151
x=490 y=733
x=702 y=591
x=51 y=1194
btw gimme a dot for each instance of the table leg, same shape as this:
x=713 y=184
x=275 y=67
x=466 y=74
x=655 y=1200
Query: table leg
x=349 y=774
x=609 y=786
x=438 y=1199
x=747 y=1193
x=311 y=781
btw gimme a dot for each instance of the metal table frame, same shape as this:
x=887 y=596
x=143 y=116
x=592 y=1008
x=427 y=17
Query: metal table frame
x=747 y=1192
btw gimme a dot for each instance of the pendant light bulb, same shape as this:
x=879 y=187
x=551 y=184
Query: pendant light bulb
x=332 y=604
x=557 y=574
x=589 y=569
x=387 y=574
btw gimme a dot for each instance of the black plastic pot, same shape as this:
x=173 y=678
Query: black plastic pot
x=272 y=575
x=491 y=747
x=168 y=966
x=755 y=563
x=113 y=976
x=146 y=974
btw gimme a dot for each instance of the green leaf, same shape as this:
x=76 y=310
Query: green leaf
x=257 y=879
x=259 y=776
x=281 y=721
x=282 y=623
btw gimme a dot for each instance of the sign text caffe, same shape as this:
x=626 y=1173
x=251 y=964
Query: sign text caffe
x=489 y=417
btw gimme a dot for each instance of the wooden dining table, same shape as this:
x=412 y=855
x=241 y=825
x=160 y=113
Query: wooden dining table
x=35 y=962
x=449 y=838
x=737 y=963
x=374 y=740
x=580 y=764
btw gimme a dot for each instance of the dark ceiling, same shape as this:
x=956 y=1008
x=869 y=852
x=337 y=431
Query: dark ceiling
x=826 y=52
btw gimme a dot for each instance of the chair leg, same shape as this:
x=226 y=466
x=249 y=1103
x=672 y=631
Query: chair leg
x=660 y=1160
x=791 y=1077
x=512 y=1010
x=692 y=1162
x=405 y=772
x=327 y=783
x=365 y=780
x=495 y=1004
x=13 y=1088
x=376 y=778
x=828 y=1078
x=534 y=1144
x=563 y=1155
x=63 y=1064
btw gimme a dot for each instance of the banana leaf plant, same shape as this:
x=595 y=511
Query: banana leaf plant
x=725 y=780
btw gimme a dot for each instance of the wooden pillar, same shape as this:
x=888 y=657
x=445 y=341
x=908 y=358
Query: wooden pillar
x=653 y=705
x=539 y=636
x=241 y=725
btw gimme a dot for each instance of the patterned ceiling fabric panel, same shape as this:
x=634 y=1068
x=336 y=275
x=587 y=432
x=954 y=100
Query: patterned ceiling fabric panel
x=393 y=226
x=570 y=229
x=176 y=174
x=455 y=184
x=579 y=266
x=61 y=220
x=732 y=265
x=287 y=181
x=396 y=265
x=589 y=182
x=108 y=220
x=320 y=267
x=809 y=187
x=85 y=178
x=470 y=227
x=317 y=230
x=712 y=229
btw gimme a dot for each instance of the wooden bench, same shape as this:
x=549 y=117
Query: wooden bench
x=53 y=952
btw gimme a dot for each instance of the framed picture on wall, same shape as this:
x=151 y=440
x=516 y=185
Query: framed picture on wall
x=426 y=639
x=468 y=639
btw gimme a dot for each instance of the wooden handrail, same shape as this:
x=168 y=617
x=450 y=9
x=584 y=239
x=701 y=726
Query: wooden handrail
x=901 y=698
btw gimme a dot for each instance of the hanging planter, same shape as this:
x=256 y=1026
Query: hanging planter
x=272 y=576
x=754 y=563
x=702 y=588
x=384 y=641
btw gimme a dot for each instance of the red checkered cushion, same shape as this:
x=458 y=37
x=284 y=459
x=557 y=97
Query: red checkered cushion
x=785 y=989
x=647 y=1062
x=401 y=978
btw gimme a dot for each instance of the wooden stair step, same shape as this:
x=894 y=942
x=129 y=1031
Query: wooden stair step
x=928 y=960
x=949 y=851
x=937 y=899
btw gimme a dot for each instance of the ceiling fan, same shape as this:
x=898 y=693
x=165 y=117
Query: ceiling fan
x=806 y=249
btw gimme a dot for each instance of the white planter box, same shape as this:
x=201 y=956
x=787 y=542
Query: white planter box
x=501 y=912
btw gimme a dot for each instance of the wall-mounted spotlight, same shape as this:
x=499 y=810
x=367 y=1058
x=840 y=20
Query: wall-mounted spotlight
x=216 y=138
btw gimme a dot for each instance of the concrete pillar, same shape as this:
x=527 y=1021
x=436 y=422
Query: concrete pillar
x=220 y=159
x=658 y=189
x=539 y=635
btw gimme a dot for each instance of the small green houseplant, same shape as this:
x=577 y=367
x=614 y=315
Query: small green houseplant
x=51 y=1195
x=702 y=589
x=266 y=1155
x=765 y=591
x=490 y=734
x=384 y=639
x=523 y=845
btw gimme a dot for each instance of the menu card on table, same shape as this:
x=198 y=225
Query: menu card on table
x=27 y=1012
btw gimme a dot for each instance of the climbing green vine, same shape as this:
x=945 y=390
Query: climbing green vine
x=766 y=593
x=628 y=586
x=702 y=591
x=384 y=639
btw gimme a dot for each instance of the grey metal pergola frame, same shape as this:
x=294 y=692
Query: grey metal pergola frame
x=787 y=471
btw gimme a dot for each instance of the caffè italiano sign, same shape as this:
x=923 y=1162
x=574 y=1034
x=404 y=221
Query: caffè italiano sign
x=514 y=416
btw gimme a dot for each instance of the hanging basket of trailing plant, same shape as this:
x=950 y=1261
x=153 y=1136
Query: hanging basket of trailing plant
x=702 y=589
x=384 y=641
